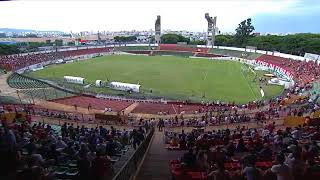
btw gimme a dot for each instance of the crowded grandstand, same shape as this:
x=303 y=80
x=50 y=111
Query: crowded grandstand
x=256 y=139
x=91 y=112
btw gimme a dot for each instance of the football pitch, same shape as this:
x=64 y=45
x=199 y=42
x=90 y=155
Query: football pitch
x=172 y=77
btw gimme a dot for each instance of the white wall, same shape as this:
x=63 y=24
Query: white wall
x=300 y=58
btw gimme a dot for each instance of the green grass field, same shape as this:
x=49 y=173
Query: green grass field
x=169 y=76
x=234 y=53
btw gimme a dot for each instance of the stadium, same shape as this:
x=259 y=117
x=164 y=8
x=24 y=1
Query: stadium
x=160 y=111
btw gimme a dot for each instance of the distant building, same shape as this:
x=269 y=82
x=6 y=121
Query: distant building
x=8 y=42
x=256 y=34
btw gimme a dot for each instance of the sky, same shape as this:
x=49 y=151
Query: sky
x=268 y=16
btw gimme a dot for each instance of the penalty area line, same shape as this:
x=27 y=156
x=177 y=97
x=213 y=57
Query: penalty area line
x=249 y=86
x=205 y=75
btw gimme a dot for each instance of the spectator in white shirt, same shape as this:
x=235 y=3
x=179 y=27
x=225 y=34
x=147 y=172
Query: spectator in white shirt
x=281 y=169
x=295 y=133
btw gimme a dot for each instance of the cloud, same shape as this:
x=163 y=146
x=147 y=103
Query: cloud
x=129 y=15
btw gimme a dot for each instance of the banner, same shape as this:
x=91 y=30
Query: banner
x=294 y=121
x=279 y=71
x=312 y=57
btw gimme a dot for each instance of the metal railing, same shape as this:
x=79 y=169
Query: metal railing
x=131 y=166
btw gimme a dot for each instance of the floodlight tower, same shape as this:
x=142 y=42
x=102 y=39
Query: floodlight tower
x=158 y=30
x=211 y=33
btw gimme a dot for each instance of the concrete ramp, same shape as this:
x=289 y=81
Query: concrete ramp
x=130 y=108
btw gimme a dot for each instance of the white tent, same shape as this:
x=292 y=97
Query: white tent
x=72 y=79
x=125 y=86
x=98 y=83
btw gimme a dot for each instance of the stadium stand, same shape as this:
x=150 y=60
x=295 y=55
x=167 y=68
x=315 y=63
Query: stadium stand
x=18 y=81
x=15 y=62
x=246 y=153
x=146 y=52
x=154 y=108
x=35 y=89
x=66 y=151
x=95 y=103
x=304 y=72
x=184 y=54
x=2 y=71
x=85 y=52
x=172 y=53
x=133 y=48
x=189 y=108
x=209 y=55
x=166 y=109
x=175 y=47
x=48 y=93
x=8 y=100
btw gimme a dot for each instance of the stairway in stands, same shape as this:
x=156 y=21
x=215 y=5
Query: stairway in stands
x=195 y=54
x=156 y=163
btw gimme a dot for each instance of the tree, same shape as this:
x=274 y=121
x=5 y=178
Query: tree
x=71 y=43
x=173 y=39
x=48 y=42
x=198 y=42
x=8 y=49
x=152 y=39
x=125 y=39
x=116 y=38
x=170 y=39
x=244 y=31
x=58 y=42
x=225 y=40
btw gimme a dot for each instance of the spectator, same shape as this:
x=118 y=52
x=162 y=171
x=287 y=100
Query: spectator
x=202 y=162
x=296 y=165
x=8 y=136
x=220 y=173
x=84 y=165
x=266 y=152
x=136 y=137
x=161 y=124
x=61 y=144
x=241 y=146
x=281 y=169
x=101 y=167
x=53 y=153
x=250 y=171
x=189 y=159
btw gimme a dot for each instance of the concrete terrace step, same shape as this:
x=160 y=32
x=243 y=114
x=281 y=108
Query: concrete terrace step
x=156 y=163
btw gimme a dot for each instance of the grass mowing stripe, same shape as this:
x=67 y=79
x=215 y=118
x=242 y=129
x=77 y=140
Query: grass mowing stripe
x=167 y=76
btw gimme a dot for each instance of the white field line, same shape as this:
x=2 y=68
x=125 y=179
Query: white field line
x=249 y=85
x=205 y=76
